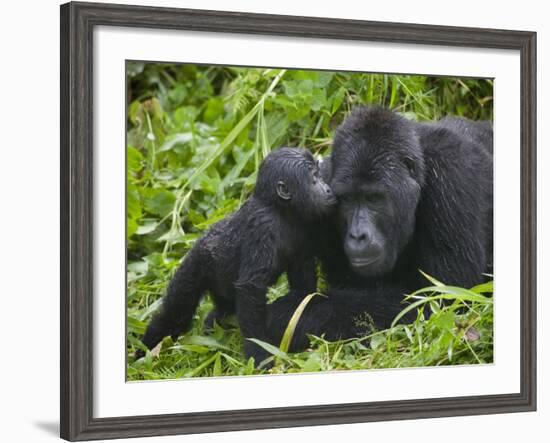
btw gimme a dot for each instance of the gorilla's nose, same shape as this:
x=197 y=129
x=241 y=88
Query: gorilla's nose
x=357 y=244
x=360 y=250
x=357 y=237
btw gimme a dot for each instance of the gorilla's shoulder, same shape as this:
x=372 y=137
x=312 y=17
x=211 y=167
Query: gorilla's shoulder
x=476 y=132
x=456 y=137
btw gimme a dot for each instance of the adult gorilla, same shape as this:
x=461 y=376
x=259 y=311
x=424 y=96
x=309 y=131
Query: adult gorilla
x=412 y=196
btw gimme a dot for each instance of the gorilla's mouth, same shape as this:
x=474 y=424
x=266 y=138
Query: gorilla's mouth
x=362 y=262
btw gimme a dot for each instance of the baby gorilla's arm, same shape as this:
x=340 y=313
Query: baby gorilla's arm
x=257 y=271
x=302 y=276
x=251 y=315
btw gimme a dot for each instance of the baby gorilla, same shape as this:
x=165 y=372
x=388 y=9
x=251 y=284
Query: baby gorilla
x=242 y=255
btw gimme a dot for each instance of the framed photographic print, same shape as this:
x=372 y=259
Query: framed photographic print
x=272 y=221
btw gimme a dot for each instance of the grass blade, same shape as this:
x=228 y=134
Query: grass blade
x=453 y=293
x=230 y=138
x=291 y=327
x=446 y=296
x=432 y=280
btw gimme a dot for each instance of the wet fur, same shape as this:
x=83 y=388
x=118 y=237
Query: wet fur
x=242 y=255
x=445 y=229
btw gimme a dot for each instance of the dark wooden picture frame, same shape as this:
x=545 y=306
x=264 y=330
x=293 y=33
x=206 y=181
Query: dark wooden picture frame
x=77 y=24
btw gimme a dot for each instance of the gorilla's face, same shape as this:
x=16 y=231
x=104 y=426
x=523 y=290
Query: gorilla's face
x=290 y=178
x=316 y=198
x=363 y=218
x=376 y=175
x=375 y=223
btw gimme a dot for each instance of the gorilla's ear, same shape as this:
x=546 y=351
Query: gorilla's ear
x=410 y=165
x=282 y=190
x=325 y=166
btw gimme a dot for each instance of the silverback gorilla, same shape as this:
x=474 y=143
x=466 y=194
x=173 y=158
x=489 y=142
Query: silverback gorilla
x=411 y=196
x=240 y=256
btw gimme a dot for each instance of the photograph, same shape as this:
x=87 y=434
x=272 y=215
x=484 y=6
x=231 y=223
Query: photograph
x=283 y=221
x=273 y=221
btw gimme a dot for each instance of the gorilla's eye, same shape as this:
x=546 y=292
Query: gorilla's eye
x=347 y=199
x=409 y=164
x=316 y=174
x=375 y=197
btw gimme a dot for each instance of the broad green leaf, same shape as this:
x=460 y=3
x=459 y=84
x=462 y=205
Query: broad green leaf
x=182 y=138
x=159 y=201
x=270 y=348
x=146 y=228
x=134 y=159
x=337 y=100
x=377 y=341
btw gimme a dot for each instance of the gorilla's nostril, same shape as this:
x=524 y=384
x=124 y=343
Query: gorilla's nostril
x=359 y=237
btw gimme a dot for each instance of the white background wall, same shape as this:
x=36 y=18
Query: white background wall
x=29 y=227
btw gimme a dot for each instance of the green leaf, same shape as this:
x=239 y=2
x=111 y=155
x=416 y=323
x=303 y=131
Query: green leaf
x=453 y=293
x=146 y=228
x=202 y=366
x=306 y=87
x=483 y=288
x=209 y=342
x=192 y=348
x=148 y=360
x=431 y=279
x=270 y=348
x=236 y=171
x=159 y=201
x=323 y=79
x=313 y=363
x=217 y=370
x=448 y=293
x=139 y=267
x=135 y=326
x=445 y=320
x=377 y=341
x=177 y=139
x=337 y=100
x=226 y=143
x=134 y=158
x=318 y=100
x=214 y=110
x=133 y=209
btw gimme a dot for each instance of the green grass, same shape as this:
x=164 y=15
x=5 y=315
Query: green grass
x=196 y=136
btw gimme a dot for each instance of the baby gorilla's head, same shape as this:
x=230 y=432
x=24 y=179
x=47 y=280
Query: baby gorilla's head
x=289 y=178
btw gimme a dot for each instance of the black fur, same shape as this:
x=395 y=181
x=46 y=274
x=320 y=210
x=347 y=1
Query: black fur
x=240 y=256
x=412 y=196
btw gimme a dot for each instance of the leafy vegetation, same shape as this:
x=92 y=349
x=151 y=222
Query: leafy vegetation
x=196 y=135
